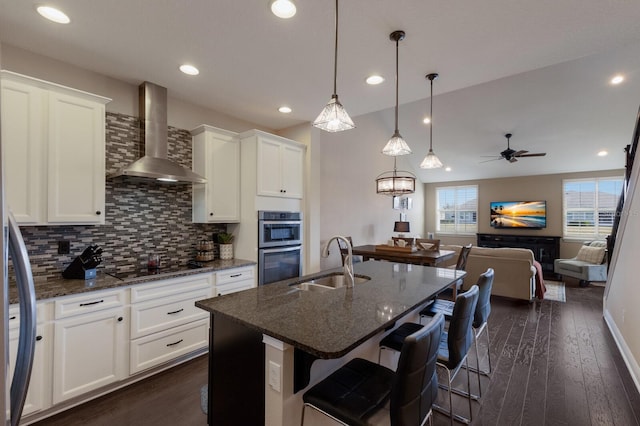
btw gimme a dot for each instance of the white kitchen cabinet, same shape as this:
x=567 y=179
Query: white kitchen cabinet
x=39 y=393
x=165 y=323
x=90 y=343
x=280 y=165
x=216 y=156
x=235 y=279
x=54 y=142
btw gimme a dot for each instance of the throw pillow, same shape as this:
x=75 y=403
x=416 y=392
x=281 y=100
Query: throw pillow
x=591 y=254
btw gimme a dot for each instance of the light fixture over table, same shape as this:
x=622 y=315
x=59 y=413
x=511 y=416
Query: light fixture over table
x=431 y=161
x=396 y=145
x=333 y=117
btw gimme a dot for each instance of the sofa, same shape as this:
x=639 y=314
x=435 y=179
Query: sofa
x=514 y=270
x=590 y=264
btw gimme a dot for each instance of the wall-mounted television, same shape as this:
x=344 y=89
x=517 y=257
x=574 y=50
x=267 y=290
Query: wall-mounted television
x=519 y=214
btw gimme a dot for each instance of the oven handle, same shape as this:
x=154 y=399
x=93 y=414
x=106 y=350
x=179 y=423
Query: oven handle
x=281 y=222
x=281 y=249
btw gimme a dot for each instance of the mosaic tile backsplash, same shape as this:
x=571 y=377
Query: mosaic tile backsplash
x=141 y=216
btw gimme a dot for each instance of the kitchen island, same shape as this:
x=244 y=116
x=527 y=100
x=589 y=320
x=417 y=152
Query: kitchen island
x=264 y=341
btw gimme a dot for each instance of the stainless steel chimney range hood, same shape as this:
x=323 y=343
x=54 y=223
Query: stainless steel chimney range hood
x=155 y=164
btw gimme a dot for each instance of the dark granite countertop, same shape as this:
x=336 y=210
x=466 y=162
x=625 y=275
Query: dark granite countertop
x=47 y=289
x=330 y=324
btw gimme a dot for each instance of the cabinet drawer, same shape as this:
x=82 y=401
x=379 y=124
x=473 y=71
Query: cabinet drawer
x=234 y=275
x=221 y=290
x=152 y=350
x=14 y=315
x=144 y=292
x=161 y=314
x=89 y=302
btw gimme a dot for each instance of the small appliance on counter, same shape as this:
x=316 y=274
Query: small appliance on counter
x=84 y=266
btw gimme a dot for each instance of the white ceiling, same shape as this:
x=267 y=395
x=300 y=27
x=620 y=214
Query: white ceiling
x=538 y=69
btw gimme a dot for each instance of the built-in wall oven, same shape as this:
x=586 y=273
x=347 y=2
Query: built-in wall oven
x=279 y=246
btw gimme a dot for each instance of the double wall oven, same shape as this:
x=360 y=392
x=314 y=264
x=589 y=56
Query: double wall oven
x=279 y=246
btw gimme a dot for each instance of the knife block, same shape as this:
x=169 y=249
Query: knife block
x=77 y=270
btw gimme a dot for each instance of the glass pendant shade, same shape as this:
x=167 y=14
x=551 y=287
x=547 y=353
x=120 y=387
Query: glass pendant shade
x=334 y=117
x=396 y=146
x=431 y=161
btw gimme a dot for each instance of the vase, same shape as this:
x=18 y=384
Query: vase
x=226 y=251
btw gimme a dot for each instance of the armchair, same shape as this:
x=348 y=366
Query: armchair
x=590 y=264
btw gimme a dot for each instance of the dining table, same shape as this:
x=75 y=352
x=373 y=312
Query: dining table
x=408 y=255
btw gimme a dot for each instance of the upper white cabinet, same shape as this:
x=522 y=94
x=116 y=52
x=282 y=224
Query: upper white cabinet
x=280 y=164
x=216 y=156
x=54 y=152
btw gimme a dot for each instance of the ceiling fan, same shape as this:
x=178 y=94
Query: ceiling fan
x=511 y=155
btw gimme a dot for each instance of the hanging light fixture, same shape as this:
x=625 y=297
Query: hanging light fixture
x=393 y=183
x=396 y=145
x=431 y=161
x=333 y=117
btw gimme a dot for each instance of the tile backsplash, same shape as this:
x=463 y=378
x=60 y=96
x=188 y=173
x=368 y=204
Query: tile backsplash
x=141 y=216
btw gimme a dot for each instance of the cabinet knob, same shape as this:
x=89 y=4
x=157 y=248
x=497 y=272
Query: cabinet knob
x=282 y=190
x=38 y=338
x=120 y=319
x=98 y=212
x=211 y=214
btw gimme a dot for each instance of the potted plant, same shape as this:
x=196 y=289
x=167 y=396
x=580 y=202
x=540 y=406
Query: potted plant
x=225 y=241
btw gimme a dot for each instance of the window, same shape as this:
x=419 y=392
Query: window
x=457 y=210
x=589 y=207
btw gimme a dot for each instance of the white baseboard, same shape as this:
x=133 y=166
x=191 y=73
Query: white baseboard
x=627 y=355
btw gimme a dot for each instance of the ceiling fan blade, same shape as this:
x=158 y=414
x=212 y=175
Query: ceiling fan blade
x=539 y=154
x=512 y=159
x=493 y=159
x=519 y=153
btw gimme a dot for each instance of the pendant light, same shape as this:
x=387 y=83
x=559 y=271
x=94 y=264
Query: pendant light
x=333 y=117
x=431 y=161
x=393 y=183
x=396 y=145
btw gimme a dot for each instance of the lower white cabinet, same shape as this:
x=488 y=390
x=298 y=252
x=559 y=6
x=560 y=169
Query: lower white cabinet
x=39 y=393
x=236 y=279
x=165 y=323
x=89 y=348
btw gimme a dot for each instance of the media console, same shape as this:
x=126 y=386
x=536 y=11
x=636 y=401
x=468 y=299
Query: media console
x=545 y=249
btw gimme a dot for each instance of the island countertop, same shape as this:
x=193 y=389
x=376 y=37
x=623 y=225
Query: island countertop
x=330 y=324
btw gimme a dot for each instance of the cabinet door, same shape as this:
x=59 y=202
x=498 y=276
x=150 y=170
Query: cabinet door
x=223 y=180
x=38 y=395
x=269 y=168
x=292 y=165
x=76 y=160
x=23 y=134
x=89 y=352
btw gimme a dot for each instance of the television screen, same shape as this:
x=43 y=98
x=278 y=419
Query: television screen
x=519 y=214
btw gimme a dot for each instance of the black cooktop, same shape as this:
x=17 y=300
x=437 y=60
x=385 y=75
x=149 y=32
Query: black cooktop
x=123 y=274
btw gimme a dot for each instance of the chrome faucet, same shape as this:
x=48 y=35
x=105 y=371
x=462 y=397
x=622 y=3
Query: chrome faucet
x=348 y=260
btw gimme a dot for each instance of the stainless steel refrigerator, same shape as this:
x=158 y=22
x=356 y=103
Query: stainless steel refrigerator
x=12 y=246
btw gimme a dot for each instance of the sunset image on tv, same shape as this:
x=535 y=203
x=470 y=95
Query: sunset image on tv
x=519 y=214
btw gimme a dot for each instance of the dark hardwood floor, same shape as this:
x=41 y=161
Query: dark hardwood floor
x=554 y=364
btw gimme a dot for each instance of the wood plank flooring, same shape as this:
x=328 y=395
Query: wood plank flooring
x=553 y=364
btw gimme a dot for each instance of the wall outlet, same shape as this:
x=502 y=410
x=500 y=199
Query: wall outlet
x=274 y=376
x=64 y=247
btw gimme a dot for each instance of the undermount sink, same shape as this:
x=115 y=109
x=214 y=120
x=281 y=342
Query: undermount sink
x=329 y=282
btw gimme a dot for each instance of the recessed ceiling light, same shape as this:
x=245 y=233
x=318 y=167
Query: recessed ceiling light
x=53 y=14
x=447 y=169
x=374 y=79
x=617 y=79
x=426 y=120
x=603 y=153
x=284 y=9
x=189 y=69
x=284 y=109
